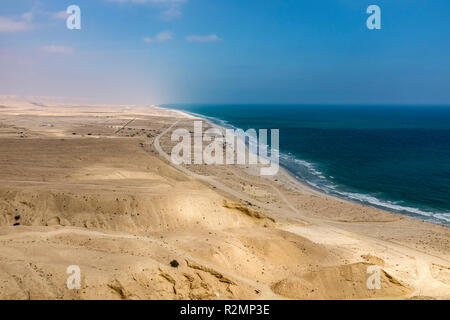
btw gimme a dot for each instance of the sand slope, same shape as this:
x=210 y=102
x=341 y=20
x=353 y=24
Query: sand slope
x=86 y=186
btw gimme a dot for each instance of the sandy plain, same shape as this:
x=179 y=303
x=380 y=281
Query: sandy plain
x=92 y=186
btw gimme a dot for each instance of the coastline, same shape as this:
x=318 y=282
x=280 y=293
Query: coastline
x=90 y=183
x=368 y=225
x=381 y=204
x=286 y=180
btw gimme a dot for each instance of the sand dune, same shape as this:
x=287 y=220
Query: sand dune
x=86 y=186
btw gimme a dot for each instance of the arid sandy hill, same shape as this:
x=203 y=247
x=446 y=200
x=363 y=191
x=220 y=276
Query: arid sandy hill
x=88 y=186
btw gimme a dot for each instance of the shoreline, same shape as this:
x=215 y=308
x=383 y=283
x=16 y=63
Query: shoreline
x=89 y=186
x=306 y=184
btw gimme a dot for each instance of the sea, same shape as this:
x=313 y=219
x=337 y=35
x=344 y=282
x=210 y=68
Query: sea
x=391 y=157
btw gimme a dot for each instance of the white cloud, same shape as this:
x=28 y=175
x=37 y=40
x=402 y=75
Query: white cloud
x=171 y=9
x=203 y=38
x=57 y=49
x=174 y=11
x=60 y=15
x=15 y=24
x=160 y=37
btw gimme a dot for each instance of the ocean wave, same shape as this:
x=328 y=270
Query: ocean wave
x=309 y=173
x=395 y=206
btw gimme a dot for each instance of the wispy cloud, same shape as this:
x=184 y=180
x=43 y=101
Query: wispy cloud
x=160 y=37
x=57 y=49
x=59 y=15
x=173 y=12
x=14 y=24
x=203 y=38
x=171 y=9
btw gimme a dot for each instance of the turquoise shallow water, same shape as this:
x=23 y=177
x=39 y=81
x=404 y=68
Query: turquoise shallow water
x=392 y=157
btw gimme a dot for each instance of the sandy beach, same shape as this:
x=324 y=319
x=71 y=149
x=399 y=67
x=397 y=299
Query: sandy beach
x=91 y=186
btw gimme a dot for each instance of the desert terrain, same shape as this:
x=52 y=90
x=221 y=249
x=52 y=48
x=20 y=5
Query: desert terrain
x=92 y=186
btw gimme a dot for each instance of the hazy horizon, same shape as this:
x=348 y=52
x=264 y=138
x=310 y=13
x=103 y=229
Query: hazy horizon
x=227 y=52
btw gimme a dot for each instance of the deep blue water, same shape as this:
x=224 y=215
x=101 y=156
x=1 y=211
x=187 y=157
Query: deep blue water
x=391 y=157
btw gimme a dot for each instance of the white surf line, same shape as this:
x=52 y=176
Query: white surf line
x=387 y=245
x=223 y=187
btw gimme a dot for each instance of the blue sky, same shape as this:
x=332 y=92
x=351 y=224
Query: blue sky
x=228 y=51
